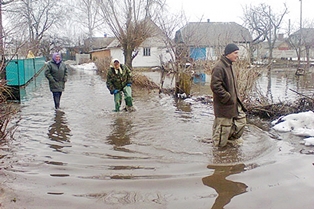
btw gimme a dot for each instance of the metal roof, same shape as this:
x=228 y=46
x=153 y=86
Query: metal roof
x=212 y=34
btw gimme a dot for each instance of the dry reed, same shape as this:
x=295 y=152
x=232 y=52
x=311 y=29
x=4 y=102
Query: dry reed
x=6 y=112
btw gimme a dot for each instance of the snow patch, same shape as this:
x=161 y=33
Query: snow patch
x=300 y=124
x=85 y=66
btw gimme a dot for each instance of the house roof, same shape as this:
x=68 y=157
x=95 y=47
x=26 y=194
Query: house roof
x=114 y=43
x=307 y=35
x=155 y=39
x=212 y=34
x=277 y=44
x=99 y=42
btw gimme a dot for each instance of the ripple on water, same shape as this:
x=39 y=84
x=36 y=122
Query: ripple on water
x=86 y=150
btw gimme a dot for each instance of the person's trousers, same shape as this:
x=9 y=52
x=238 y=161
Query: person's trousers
x=56 y=98
x=127 y=91
x=225 y=129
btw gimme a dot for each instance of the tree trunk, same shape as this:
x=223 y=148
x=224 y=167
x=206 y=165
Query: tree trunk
x=307 y=57
x=128 y=58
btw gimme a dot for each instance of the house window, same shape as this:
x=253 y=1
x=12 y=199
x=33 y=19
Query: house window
x=146 y=51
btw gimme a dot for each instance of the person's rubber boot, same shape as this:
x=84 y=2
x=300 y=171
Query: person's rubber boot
x=117 y=107
x=128 y=101
x=129 y=104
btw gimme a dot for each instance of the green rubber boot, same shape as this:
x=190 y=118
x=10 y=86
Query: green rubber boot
x=128 y=101
x=117 y=107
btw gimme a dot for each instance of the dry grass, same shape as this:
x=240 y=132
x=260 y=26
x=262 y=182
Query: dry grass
x=262 y=106
x=142 y=81
x=272 y=111
x=6 y=112
x=247 y=77
x=103 y=65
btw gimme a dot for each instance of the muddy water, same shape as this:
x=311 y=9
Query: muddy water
x=160 y=156
x=284 y=85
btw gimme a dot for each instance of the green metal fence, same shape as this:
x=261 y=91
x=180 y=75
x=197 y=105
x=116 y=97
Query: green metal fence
x=21 y=71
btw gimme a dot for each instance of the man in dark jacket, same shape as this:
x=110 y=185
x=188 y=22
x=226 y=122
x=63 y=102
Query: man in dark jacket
x=119 y=79
x=230 y=119
x=57 y=74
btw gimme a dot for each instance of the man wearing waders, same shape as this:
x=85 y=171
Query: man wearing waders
x=230 y=119
x=119 y=79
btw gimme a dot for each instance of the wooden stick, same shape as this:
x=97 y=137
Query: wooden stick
x=301 y=94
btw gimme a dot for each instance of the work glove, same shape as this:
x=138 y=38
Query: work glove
x=128 y=84
x=115 y=91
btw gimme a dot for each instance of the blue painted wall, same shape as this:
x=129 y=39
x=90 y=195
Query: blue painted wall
x=198 y=53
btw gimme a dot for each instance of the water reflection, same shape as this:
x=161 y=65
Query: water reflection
x=119 y=135
x=59 y=131
x=273 y=84
x=226 y=189
x=182 y=106
x=269 y=93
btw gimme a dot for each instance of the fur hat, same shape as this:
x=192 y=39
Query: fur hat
x=231 y=48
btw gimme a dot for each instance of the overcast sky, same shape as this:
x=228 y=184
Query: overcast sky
x=231 y=10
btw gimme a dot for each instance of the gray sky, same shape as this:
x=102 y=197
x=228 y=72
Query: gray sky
x=231 y=10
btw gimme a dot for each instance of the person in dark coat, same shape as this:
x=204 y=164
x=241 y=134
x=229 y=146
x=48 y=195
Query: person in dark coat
x=230 y=118
x=57 y=74
x=119 y=80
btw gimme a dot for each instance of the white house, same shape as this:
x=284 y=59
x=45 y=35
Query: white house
x=151 y=53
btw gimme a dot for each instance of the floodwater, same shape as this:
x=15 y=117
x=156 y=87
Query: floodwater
x=159 y=157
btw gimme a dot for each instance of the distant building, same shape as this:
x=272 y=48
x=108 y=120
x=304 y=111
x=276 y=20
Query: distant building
x=152 y=52
x=307 y=36
x=207 y=40
x=98 y=47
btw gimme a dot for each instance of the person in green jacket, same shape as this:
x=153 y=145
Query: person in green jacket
x=119 y=80
x=56 y=73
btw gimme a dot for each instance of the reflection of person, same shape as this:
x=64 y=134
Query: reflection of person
x=119 y=135
x=225 y=188
x=59 y=131
x=56 y=74
x=119 y=79
x=230 y=118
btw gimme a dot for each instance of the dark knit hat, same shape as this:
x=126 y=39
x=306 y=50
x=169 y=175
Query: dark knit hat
x=231 y=48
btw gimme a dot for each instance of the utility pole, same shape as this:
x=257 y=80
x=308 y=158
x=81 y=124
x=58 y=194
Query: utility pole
x=300 y=39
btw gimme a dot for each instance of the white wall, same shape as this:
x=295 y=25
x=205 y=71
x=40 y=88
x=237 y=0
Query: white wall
x=117 y=53
x=157 y=54
x=143 y=61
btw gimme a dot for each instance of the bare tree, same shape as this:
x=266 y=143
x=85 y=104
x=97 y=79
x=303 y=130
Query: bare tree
x=179 y=53
x=2 y=64
x=307 y=43
x=35 y=18
x=131 y=22
x=87 y=15
x=264 y=24
x=303 y=42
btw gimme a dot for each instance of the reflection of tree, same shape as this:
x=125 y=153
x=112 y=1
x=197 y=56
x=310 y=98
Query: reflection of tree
x=119 y=135
x=226 y=189
x=269 y=94
x=59 y=131
x=183 y=109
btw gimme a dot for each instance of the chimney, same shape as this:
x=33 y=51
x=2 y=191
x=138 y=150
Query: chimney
x=280 y=37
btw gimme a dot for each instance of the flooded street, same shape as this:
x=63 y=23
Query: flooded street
x=158 y=157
